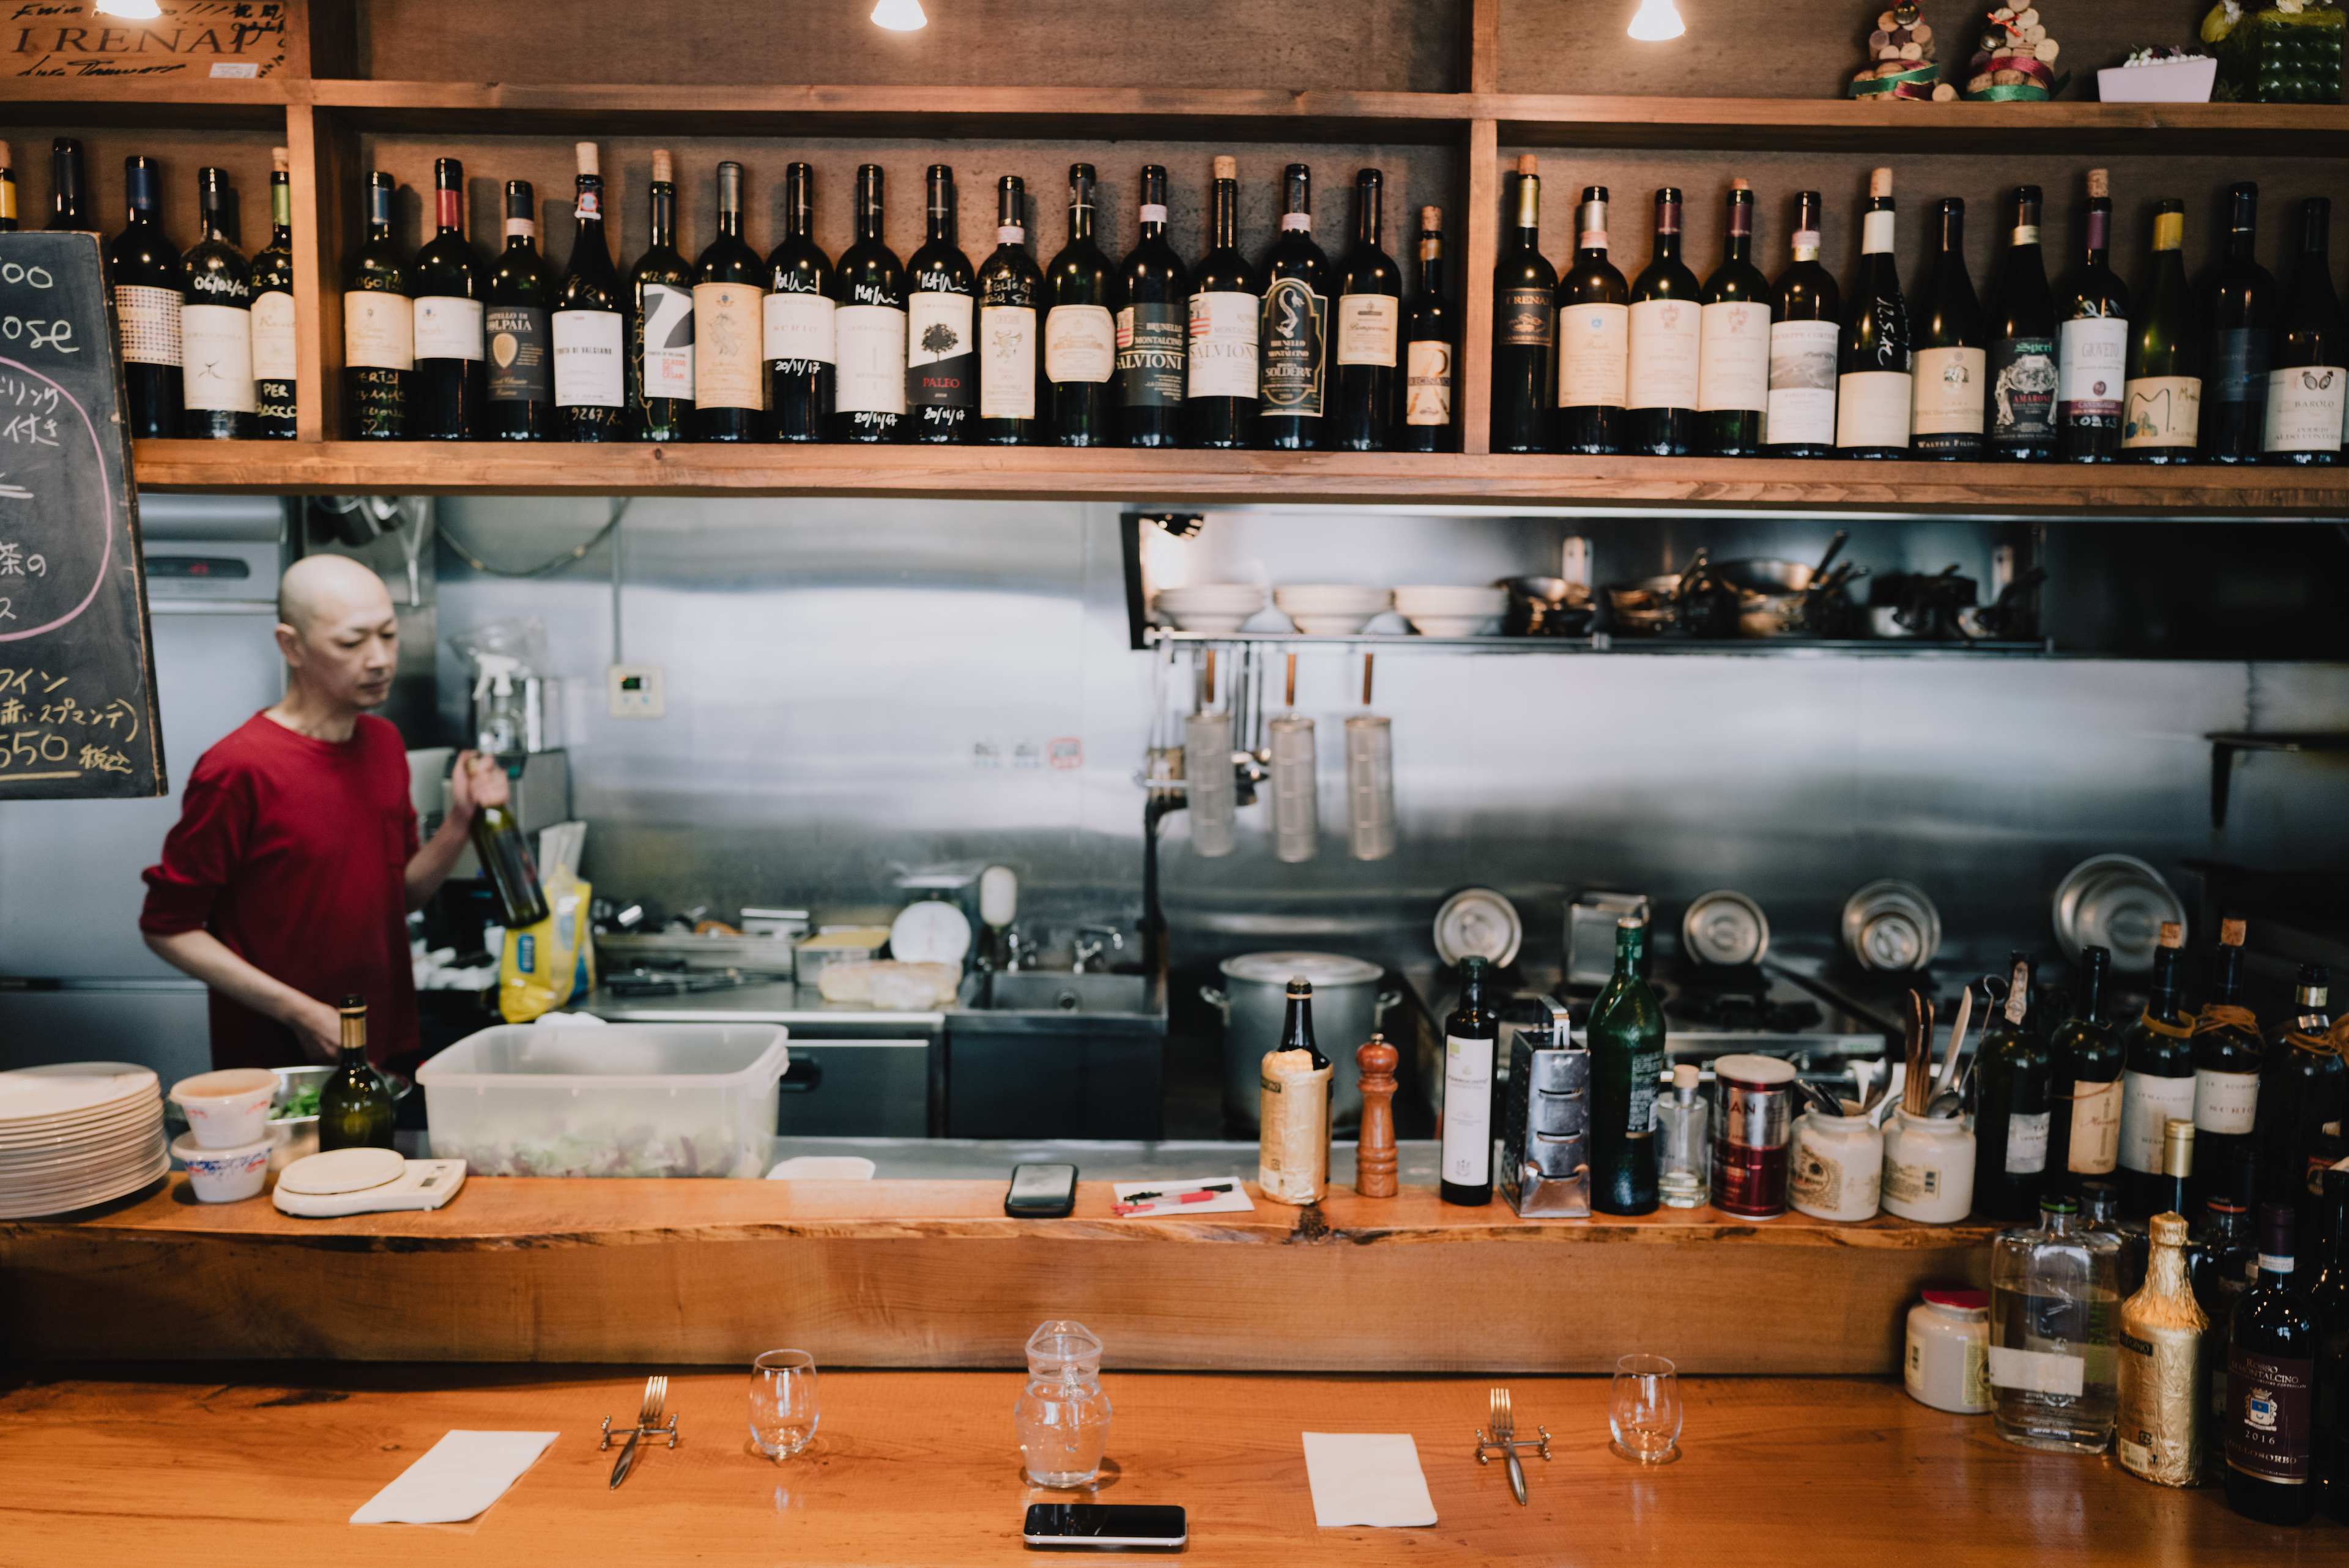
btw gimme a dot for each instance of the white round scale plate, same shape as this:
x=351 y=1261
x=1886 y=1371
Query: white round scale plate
x=932 y=931
x=343 y=1170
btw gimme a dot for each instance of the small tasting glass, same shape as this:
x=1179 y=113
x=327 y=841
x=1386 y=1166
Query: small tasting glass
x=1645 y=1413
x=783 y=1408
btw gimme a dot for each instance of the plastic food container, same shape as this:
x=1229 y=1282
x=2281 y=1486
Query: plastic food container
x=659 y=1099
x=228 y=1109
x=223 y=1175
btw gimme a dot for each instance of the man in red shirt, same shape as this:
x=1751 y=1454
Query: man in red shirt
x=286 y=883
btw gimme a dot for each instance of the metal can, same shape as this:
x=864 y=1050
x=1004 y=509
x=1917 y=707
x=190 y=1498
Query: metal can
x=1753 y=1125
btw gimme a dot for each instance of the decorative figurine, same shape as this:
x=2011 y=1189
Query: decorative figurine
x=2016 y=61
x=1900 y=58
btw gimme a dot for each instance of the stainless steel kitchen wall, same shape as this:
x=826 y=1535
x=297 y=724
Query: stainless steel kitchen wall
x=856 y=686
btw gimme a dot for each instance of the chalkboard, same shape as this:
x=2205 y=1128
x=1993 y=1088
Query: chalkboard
x=76 y=664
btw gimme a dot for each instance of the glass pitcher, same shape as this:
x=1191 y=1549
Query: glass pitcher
x=1062 y=1413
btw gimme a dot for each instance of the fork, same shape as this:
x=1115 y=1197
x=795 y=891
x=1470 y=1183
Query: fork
x=1505 y=1431
x=656 y=1396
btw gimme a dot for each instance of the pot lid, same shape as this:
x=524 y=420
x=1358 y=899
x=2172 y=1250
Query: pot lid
x=2117 y=902
x=1761 y=1071
x=1321 y=969
x=1891 y=926
x=1477 y=922
x=1726 y=928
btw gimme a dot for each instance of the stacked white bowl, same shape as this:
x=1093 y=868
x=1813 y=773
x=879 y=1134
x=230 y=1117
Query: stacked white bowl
x=1210 y=606
x=76 y=1134
x=1439 y=611
x=1332 y=609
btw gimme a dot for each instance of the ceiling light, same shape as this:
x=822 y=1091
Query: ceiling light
x=900 y=16
x=1656 y=22
x=143 y=10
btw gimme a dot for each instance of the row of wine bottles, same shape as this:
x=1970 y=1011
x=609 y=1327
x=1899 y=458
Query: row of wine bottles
x=1735 y=368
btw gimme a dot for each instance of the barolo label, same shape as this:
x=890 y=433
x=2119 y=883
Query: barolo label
x=1150 y=342
x=1802 y=384
x=1223 y=345
x=871 y=341
x=2237 y=366
x=587 y=364
x=941 y=363
x=1733 y=358
x=379 y=330
x=1594 y=355
x=2225 y=1103
x=1525 y=317
x=2023 y=381
x=2161 y=410
x=1948 y=394
x=802 y=328
x=2095 y=1127
x=2147 y=1105
x=1427 y=378
x=728 y=339
x=216 y=359
x=2305 y=408
x=668 y=325
x=1006 y=378
x=2269 y=1401
x=448 y=328
x=1080 y=344
x=1296 y=327
x=1467 y=1111
x=273 y=337
x=150 y=319
x=1872 y=408
x=2027 y=1144
x=1666 y=336
x=520 y=368
x=2095 y=351
x=1367 y=326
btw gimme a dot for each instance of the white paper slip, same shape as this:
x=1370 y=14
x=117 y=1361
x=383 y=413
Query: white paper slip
x=458 y=1477
x=1366 y=1478
x=1180 y=1198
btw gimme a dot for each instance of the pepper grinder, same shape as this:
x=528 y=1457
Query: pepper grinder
x=1375 y=1156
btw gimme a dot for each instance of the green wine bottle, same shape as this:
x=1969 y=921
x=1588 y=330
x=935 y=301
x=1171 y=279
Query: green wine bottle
x=354 y=1109
x=2011 y=1110
x=1626 y=1037
x=2164 y=388
x=506 y=860
x=2083 y=1103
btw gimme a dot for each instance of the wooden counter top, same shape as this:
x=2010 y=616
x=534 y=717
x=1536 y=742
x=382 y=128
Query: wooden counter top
x=242 y=1465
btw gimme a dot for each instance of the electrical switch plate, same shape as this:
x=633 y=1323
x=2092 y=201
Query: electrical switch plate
x=636 y=690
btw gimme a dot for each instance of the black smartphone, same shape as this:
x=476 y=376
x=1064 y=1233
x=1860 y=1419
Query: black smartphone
x=1103 y=1524
x=1042 y=1191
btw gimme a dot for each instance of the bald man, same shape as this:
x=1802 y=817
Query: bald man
x=286 y=883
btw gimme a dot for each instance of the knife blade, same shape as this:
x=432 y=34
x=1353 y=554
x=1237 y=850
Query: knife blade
x=620 y=1466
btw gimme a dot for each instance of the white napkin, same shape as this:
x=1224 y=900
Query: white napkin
x=458 y=1477
x=1366 y=1478
x=823 y=1168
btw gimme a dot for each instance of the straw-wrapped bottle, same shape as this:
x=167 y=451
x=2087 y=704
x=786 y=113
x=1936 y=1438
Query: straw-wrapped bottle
x=1293 y=1155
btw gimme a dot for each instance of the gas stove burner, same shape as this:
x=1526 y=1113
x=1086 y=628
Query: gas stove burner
x=1745 y=1012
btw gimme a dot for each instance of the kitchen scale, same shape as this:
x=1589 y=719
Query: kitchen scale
x=365 y=1181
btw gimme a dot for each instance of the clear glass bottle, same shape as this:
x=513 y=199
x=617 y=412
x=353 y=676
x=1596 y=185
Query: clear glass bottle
x=1683 y=1147
x=1062 y=1413
x=2055 y=1321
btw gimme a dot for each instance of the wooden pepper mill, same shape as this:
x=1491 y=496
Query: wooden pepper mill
x=1374 y=1157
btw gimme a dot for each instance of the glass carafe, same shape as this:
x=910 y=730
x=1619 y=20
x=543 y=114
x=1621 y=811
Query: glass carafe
x=1062 y=1413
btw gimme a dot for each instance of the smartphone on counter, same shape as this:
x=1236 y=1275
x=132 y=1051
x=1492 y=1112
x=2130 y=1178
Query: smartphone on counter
x=1041 y=1192
x=1103 y=1524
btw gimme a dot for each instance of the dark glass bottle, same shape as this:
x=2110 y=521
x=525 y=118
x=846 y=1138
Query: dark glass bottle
x=1593 y=329
x=2157 y=1083
x=589 y=324
x=149 y=287
x=2224 y=1270
x=941 y=359
x=1293 y=342
x=2272 y=1386
x=2309 y=375
x=7 y=189
x=2092 y=356
x=1952 y=356
x=378 y=327
x=2010 y=1081
x=1366 y=341
x=274 y=397
x=731 y=374
x=1220 y=405
x=355 y=1107
x=2164 y=395
x=1153 y=326
x=216 y=322
x=1667 y=330
x=1011 y=398
x=2239 y=321
x=2311 y=1005
x=505 y=854
x=1525 y=323
x=1806 y=326
x=2227 y=1053
x=660 y=323
x=2084 y=1100
x=1081 y=327
x=1431 y=350
x=1734 y=357
x=1626 y=1037
x=67 y=184
x=521 y=405
x=2331 y=1299
x=2302 y=1087
x=1875 y=388
x=869 y=397
x=802 y=311
x=1472 y=1033
x=452 y=382
x=2023 y=372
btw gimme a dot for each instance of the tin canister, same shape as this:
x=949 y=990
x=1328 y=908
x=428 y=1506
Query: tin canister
x=1753 y=1124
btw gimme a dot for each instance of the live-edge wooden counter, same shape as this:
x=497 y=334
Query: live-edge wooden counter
x=932 y=1273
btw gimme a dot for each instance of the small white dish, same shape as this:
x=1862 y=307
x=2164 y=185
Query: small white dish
x=223 y=1175
x=2165 y=82
x=227 y=1109
x=1452 y=625
x=1332 y=625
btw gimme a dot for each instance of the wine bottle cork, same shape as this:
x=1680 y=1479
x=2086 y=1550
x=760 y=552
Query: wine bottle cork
x=8 y=156
x=661 y=166
x=1879 y=183
x=1740 y=185
x=1227 y=168
x=1527 y=164
x=1431 y=217
x=2173 y=935
x=2230 y=933
x=2100 y=183
x=587 y=163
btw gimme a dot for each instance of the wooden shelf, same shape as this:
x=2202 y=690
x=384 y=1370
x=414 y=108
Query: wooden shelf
x=2044 y=130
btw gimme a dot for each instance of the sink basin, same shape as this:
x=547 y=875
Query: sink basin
x=1048 y=992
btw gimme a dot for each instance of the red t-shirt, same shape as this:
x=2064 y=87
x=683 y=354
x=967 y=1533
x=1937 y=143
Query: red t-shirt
x=293 y=852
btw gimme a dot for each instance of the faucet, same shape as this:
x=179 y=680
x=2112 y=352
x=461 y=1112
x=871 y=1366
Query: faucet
x=1018 y=953
x=1090 y=945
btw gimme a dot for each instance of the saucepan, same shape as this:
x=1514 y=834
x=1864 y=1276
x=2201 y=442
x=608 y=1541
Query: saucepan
x=1547 y=607
x=1693 y=603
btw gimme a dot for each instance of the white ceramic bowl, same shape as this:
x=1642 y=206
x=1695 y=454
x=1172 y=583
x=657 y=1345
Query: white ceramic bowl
x=223 y=1175
x=1332 y=625
x=1481 y=600
x=227 y=1109
x=1453 y=625
x=1210 y=606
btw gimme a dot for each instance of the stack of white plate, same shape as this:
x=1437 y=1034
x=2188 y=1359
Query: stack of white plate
x=76 y=1134
x=1436 y=611
x=1210 y=606
x=1333 y=609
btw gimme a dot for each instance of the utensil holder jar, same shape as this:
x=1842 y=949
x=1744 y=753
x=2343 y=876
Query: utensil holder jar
x=1295 y=812
x=1369 y=788
x=1207 y=783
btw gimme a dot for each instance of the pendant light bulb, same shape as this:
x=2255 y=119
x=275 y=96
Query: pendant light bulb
x=136 y=10
x=900 y=16
x=1656 y=21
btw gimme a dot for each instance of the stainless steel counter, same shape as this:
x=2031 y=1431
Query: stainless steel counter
x=777 y=1003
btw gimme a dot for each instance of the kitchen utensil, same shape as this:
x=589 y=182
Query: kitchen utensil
x=2117 y=902
x=1505 y=1440
x=78 y=1133
x=647 y=1425
x=223 y=1175
x=1918 y=1085
x=1480 y=921
x=1447 y=611
x=1547 y=607
x=1296 y=815
x=227 y=1109
x=2002 y=618
x=1919 y=605
x=1209 y=606
x=1821 y=1101
x=932 y=931
x=1347 y=1005
x=1946 y=1083
x=1330 y=610
x=325 y=1187
x=1725 y=927
x=1545 y=1122
x=784 y=1405
x=1779 y=598
x=1369 y=780
x=1207 y=783
x=1891 y=925
x=1643 y=1412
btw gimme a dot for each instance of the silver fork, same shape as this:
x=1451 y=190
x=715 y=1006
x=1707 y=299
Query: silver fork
x=1505 y=1431
x=656 y=1396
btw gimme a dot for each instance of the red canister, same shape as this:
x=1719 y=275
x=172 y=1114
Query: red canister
x=1753 y=1126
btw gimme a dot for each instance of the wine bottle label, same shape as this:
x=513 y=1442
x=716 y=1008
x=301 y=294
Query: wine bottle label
x=2161 y=410
x=1639 y=1109
x=2270 y=1400
x=379 y=330
x=1947 y=396
x=2023 y=390
x=2092 y=355
x=1594 y=355
x=2095 y=1127
x=2037 y=1371
x=730 y=341
x=1802 y=384
x=520 y=368
x=1427 y=383
x=1296 y=325
x=1666 y=347
x=666 y=318
x=1006 y=379
x=587 y=360
x=1872 y=408
x=273 y=336
x=1875 y=232
x=1080 y=344
x=2156 y=1433
x=2305 y=406
x=871 y=341
x=2147 y=1105
x=2225 y=1103
x=1367 y=329
x=149 y=319
x=2027 y=1144
x=2237 y=366
x=216 y=359
x=1734 y=360
x=448 y=328
x=1150 y=342
x=1150 y=213
x=1223 y=345
x=801 y=329
x=941 y=361
x=1525 y=317
x=1467 y=1111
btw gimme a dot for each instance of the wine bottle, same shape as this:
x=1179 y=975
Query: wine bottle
x=1219 y=406
x=1081 y=327
x=1874 y=394
x=1805 y=326
x=1294 y=339
x=2010 y=1109
x=148 y=285
x=378 y=327
x=869 y=402
x=2224 y=1272
x=2091 y=358
x=1952 y=356
x=2303 y=1085
x=2023 y=375
x=802 y=338
x=216 y=324
x=1431 y=346
x=941 y=368
x=2308 y=379
x=2227 y=1055
x=731 y=357
x=354 y=1108
x=2162 y=1374
x=2084 y=1062
x=2272 y=1386
x=1153 y=326
x=2238 y=322
x=2331 y=1299
x=1734 y=357
x=1010 y=290
x=1472 y=1032
x=2157 y=1081
x=1593 y=327
x=67 y=184
x=1666 y=331
x=1525 y=323
x=521 y=405
x=1368 y=323
x=660 y=323
x=7 y=188
x=451 y=381
x=505 y=854
x=589 y=324
x=273 y=399
x=2164 y=390
x=1626 y=1036
x=2312 y=1006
